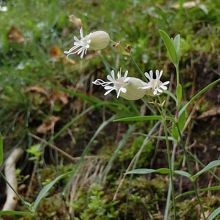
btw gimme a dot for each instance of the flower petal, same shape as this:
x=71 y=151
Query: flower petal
x=161 y=73
x=110 y=78
x=109 y=87
x=147 y=75
x=151 y=74
x=157 y=74
x=163 y=87
x=113 y=74
x=119 y=74
x=81 y=32
x=110 y=90
x=126 y=74
x=166 y=83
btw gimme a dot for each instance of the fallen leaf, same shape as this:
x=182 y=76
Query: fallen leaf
x=210 y=113
x=48 y=124
x=37 y=89
x=15 y=36
x=56 y=53
x=75 y=21
x=59 y=96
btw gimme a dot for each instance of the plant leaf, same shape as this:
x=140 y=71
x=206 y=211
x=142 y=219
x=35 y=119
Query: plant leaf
x=176 y=42
x=182 y=173
x=10 y=212
x=179 y=93
x=214 y=214
x=160 y=171
x=198 y=95
x=46 y=188
x=211 y=188
x=140 y=118
x=141 y=171
x=208 y=167
x=170 y=46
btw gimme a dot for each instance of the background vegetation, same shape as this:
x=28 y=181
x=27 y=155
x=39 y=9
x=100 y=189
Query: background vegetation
x=49 y=107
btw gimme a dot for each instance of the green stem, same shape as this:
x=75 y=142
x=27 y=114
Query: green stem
x=177 y=74
x=183 y=145
x=137 y=67
x=171 y=167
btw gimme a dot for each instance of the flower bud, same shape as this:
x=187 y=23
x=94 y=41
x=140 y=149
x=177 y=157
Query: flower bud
x=99 y=40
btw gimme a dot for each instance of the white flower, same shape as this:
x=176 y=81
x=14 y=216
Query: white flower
x=155 y=86
x=3 y=8
x=95 y=41
x=126 y=87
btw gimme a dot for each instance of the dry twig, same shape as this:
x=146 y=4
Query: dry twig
x=10 y=175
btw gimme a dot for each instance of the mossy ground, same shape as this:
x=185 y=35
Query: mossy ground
x=37 y=82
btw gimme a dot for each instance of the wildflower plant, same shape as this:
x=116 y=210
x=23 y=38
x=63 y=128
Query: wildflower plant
x=133 y=88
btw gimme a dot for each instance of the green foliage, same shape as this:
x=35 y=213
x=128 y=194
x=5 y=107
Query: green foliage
x=35 y=151
x=139 y=118
x=177 y=127
x=160 y=171
x=214 y=214
x=173 y=46
x=128 y=153
x=200 y=93
x=42 y=194
x=208 y=167
x=96 y=206
x=44 y=25
x=179 y=91
x=15 y=213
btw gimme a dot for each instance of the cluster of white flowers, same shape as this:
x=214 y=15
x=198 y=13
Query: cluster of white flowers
x=130 y=88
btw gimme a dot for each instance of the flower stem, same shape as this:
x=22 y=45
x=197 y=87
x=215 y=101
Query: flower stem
x=171 y=167
x=183 y=145
x=177 y=74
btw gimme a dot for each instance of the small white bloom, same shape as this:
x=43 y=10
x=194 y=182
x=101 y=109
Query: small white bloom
x=3 y=8
x=155 y=86
x=126 y=87
x=95 y=41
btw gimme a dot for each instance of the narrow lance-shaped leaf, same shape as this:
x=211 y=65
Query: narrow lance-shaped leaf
x=15 y=213
x=170 y=46
x=211 y=188
x=214 y=214
x=160 y=171
x=141 y=171
x=140 y=118
x=198 y=95
x=208 y=167
x=176 y=42
x=46 y=188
